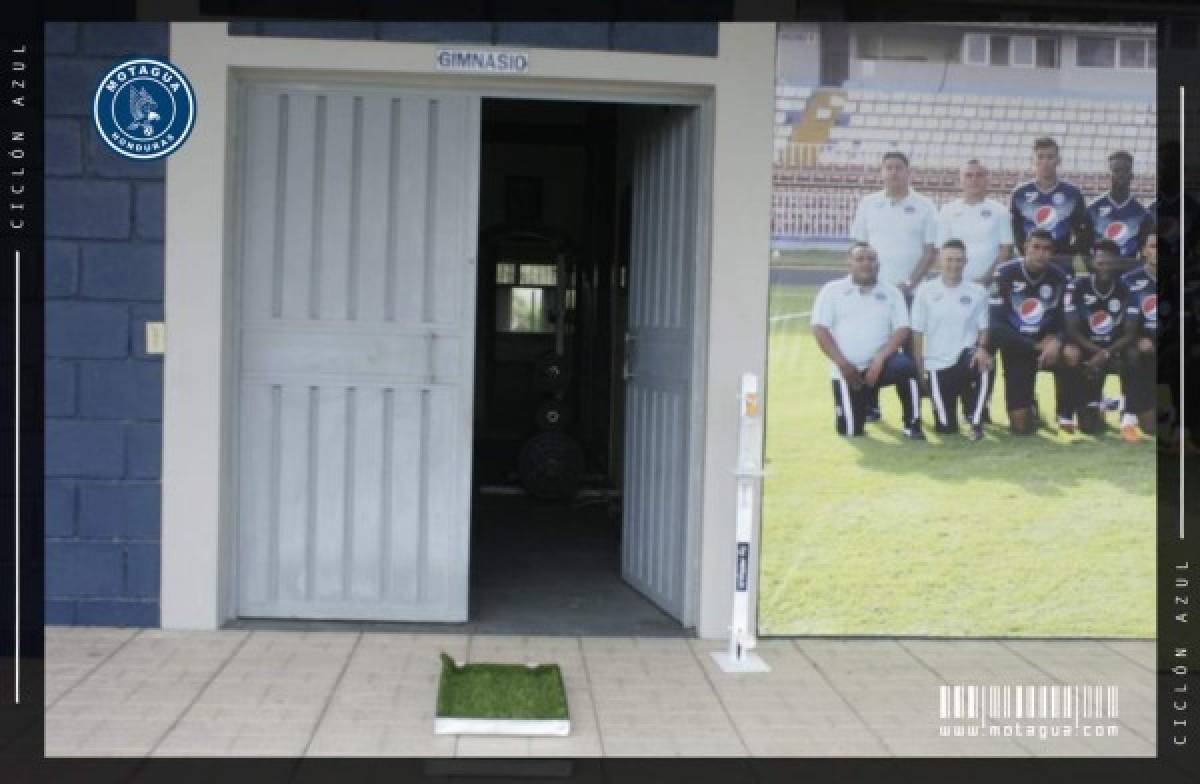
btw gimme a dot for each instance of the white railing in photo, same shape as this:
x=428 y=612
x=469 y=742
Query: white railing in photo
x=826 y=212
x=797 y=155
x=813 y=211
x=792 y=156
x=940 y=159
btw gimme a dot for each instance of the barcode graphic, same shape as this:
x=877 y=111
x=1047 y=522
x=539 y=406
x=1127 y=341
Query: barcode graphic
x=982 y=702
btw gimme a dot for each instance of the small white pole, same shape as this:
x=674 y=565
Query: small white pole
x=739 y=657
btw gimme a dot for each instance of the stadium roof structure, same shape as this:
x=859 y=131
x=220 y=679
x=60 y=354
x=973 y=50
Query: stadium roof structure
x=1128 y=28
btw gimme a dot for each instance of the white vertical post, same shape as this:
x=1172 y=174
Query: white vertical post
x=739 y=657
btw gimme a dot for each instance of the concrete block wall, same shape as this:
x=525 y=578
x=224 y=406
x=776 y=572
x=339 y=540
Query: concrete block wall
x=687 y=38
x=103 y=282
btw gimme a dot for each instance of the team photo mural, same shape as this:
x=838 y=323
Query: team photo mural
x=965 y=214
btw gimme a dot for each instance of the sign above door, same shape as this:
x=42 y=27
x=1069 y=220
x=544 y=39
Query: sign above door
x=481 y=60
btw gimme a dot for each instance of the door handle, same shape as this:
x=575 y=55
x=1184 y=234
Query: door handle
x=626 y=373
x=431 y=356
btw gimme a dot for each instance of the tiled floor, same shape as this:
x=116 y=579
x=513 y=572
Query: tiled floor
x=335 y=693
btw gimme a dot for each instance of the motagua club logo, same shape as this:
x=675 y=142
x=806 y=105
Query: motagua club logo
x=144 y=108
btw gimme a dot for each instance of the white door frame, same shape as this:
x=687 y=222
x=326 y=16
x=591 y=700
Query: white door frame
x=702 y=104
x=733 y=92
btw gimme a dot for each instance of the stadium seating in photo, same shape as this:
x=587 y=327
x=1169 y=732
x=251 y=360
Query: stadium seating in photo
x=818 y=182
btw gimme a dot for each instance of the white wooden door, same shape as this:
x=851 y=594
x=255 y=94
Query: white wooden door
x=356 y=340
x=659 y=350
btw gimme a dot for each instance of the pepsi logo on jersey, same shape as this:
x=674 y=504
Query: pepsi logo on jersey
x=1031 y=310
x=1101 y=323
x=1045 y=217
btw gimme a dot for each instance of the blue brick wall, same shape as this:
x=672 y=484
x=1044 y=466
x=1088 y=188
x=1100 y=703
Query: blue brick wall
x=104 y=281
x=696 y=38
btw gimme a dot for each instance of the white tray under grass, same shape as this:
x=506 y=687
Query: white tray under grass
x=501 y=699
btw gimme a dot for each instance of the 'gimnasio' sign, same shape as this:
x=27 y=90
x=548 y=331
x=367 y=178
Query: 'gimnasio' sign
x=481 y=61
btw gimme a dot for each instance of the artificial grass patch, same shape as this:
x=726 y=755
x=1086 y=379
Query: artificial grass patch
x=500 y=691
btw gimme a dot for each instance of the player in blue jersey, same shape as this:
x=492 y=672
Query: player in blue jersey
x=1095 y=308
x=1025 y=324
x=1139 y=374
x=1117 y=215
x=1053 y=205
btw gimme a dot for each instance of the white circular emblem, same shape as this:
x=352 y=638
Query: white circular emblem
x=1058 y=198
x=1114 y=306
x=144 y=108
x=1045 y=291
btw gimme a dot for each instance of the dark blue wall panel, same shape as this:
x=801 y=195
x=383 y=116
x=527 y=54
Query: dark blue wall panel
x=576 y=35
x=121 y=39
x=687 y=38
x=62 y=137
x=84 y=448
x=87 y=209
x=122 y=270
x=436 y=32
x=62 y=269
x=120 y=390
x=144 y=450
x=60 y=508
x=75 y=328
x=104 y=280
x=60 y=397
x=90 y=569
x=694 y=38
x=344 y=30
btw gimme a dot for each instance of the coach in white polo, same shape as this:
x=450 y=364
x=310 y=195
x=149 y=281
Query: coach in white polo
x=900 y=224
x=860 y=324
x=985 y=229
x=949 y=325
x=981 y=223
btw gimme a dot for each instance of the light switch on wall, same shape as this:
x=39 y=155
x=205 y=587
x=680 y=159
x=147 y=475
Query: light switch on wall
x=156 y=337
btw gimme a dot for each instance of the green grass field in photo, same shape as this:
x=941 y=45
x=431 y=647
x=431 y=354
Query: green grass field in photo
x=1049 y=535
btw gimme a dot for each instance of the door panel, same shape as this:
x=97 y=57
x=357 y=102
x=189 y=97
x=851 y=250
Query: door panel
x=355 y=344
x=660 y=335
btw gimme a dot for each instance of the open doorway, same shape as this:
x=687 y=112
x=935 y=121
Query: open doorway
x=583 y=322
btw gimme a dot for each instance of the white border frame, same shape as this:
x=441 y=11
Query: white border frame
x=735 y=94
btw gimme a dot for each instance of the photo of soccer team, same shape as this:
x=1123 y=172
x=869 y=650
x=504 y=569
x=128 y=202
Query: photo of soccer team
x=1047 y=283
x=968 y=369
